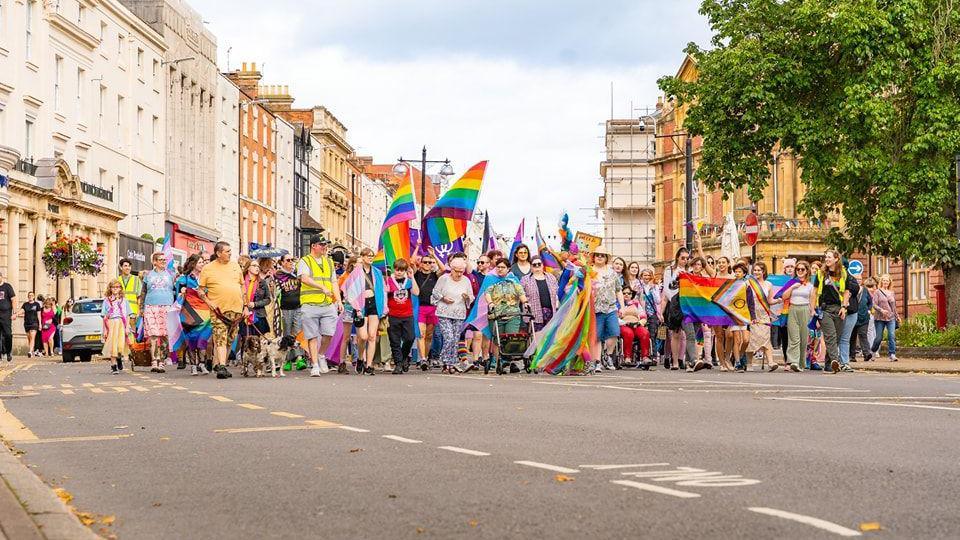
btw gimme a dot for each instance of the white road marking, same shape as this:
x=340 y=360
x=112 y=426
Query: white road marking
x=354 y=429
x=464 y=451
x=77 y=439
x=198 y=392
x=66 y=386
x=269 y=428
x=877 y=403
x=547 y=466
x=611 y=467
x=87 y=385
x=139 y=388
x=656 y=489
x=806 y=520
x=401 y=439
x=66 y=391
x=179 y=387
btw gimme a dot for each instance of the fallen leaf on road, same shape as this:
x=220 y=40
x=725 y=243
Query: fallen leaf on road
x=868 y=526
x=108 y=520
x=355 y=450
x=563 y=478
x=421 y=530
x=473 y=523
x=64 y=495
x=86 y=518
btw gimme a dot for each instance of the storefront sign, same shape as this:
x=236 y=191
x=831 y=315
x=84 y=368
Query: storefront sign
x=137 y=250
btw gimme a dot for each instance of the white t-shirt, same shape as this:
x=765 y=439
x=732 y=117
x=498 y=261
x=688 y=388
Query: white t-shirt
x=670 y=289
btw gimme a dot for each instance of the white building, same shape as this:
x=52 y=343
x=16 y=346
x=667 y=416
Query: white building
x=227 y=161
x=628 y=206
x=283 y=201
x=376 y=197
x=191 y=80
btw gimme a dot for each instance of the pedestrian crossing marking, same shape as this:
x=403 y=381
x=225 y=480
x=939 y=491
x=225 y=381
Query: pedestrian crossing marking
x=221 y=399
x=66 y=386
x=87 y=385
x=286 y=414
x=250 y=406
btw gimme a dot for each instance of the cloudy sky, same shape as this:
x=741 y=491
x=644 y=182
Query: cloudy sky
x=525 y=84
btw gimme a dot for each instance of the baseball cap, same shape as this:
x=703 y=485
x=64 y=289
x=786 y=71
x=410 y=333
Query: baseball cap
x=318 y=239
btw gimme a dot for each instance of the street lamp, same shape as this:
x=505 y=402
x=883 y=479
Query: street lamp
x=402 y=166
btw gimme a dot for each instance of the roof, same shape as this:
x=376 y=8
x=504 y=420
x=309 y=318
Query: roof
x=385 y=173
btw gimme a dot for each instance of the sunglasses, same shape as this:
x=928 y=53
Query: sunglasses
x=288 y=259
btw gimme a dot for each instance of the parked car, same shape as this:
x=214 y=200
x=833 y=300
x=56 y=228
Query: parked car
x=81 y=330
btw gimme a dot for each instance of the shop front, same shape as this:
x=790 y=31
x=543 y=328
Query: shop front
x=137 y=250
x=187 y=240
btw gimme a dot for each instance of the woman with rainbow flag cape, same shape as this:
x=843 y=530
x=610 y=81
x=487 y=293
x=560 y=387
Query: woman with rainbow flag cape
x=570 y=338
x=369 y=294
x=194 y=315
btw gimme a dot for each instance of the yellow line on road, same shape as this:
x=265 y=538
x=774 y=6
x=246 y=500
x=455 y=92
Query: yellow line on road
x=87 y=385
x=271 y=428
x=12 y=429
x=66 y=386
x=77 y=439
x=286 y=414
x=179 y=387
x=198 y=392
x=139 y=388
x=98 y=390
x=222 y=399
x=250 y=406
x=322 y=423
x=67 y=392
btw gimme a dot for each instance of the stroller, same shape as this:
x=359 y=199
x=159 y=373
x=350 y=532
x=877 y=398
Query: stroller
x=512 y=347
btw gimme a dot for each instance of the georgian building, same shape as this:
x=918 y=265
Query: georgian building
x=284 y=166
x=227 y=161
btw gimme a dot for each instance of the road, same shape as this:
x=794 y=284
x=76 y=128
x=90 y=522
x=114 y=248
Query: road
x=656 y=454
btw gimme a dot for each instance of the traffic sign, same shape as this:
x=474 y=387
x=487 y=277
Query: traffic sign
x=751 y=228
x=855 y=268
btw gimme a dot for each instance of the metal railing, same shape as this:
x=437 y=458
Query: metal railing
x=26 y=166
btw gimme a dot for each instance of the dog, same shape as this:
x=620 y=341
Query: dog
x=277 y=352
x=251 y=356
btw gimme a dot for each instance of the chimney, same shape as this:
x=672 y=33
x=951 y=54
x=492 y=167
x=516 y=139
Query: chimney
x=248 y=79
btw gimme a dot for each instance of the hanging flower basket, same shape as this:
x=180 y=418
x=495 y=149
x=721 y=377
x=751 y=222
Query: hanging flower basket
x=71 y=254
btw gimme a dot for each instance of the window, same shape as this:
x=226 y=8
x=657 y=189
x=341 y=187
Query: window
x=100 y=104
x=139 y=120
x=139 y=61
x=29 y=26
x=120 y=48
x=81 y=169
x=28 y=139
x=103 y=30
x=882 y=267
x=81 y=15
x=919 y=282
x=119 y=112
x=81 y=79
x=57 y=81
x=155 y=128
x=156 y=70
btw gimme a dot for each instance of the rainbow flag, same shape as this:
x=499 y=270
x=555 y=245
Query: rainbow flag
x=566 y=339
x=742 y=299
x=550 y=260
x=780 y=282
x=517 y=239
x=696 y=300
x=195 y=320
x=395 y=232
x=379 y=261
x=448 y=219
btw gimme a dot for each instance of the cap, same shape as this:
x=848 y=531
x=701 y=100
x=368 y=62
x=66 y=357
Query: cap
x=318 y=239
x=789 y=262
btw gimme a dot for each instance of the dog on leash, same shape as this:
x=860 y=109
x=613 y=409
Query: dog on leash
x=251 y=356
x=275 y=353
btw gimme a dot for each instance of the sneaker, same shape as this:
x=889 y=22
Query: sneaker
x=193 y=370
x=315 y=371
x=597 y=368
x=774 y=367
x=160 y=368
x=153 y=366
x=323 y=365
x=113 y=370
x=222 y=371
x=690 y=369
x=203 y=369
x=699 y=365
x=893 y=358
x=794 y=368
x=846 y=369
x=397 y=369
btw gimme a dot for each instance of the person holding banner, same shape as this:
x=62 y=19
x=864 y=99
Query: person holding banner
x=760 y=329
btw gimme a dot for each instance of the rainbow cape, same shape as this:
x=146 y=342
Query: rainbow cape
x=566 y=341
x=448 y=219
x=195 y=321
x=395 y=232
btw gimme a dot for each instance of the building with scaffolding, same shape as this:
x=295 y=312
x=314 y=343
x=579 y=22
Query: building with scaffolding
x=628 y=205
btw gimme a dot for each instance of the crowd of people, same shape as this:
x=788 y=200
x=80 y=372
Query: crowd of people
x=41 y=316
x=427 y=308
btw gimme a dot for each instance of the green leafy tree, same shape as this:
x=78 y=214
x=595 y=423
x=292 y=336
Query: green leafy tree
x=866 y=92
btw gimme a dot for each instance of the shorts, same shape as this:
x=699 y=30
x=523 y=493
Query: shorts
x=607 y=326
x=509 y=325
x=370 y=307
x=317 y=320
x=290 y=319
x=428 y=315
x=223 y=332
x=155 y=320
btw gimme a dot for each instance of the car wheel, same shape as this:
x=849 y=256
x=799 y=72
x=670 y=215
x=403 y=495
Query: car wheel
x=86 y=356
x=69 y=356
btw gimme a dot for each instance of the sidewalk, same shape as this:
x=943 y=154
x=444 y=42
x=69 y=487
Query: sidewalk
x=910 y=365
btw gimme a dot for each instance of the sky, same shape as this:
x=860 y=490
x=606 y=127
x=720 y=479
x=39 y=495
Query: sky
x=524 y=84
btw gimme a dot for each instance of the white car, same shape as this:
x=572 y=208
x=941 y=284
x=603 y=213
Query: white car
x=81 y=330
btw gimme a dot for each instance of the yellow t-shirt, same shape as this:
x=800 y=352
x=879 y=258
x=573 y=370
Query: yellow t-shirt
x=223 y=283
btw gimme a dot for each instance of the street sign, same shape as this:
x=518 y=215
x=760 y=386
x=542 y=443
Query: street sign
x=751 y=228
x=855 y=268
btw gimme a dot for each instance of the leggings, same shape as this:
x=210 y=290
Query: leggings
x=450 y=332
x=629 y=334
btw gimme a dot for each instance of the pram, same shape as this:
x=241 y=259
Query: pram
x=512 y=347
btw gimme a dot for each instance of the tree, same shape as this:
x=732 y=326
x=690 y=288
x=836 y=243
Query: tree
x=866 y=92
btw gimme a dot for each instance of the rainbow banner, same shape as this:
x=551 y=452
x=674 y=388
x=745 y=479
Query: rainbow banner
x=742 y=299
x=195 y=319
x=395 y=232
x=696 y=300
x=448 y=219
x=566 y=340
x=550 y=260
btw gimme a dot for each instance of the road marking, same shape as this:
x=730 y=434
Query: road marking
x=66 y=386
x=656 y=489
x=354 y=429
x=806 y=520
x=610 y=467
x=547 y=466
x=878 y=404
x=77 y=439
x=198 y=392
x=222 y=399
x=322 y=423
x=250 y=406
x=286 y=414
x=270 y=428
x=66 y=392
x=12 y=429
x=463 y=451
x=28 y=388
x=139 y=388
x=98 y=390
x=401 y=439
x=179 y=387
x=87 y=385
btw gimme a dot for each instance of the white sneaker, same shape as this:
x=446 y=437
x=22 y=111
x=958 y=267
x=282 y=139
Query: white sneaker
x=323 y=365
x=315 y=371
x=203 y=369
x=597 y=368
x=193 y=371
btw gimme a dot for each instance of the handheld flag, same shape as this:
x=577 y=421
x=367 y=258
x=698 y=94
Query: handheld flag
x=395 y=232
x=448 y=219
x=550 y=260
x=517 y=239
x=489 y=242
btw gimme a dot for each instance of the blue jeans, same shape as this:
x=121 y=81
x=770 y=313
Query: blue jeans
x=891 y=327
x=848 y=324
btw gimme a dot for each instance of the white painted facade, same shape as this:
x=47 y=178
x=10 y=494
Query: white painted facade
x=81 y=81
x=376 y=197
x=316 y=179
x=283 y=199
x=227 y=161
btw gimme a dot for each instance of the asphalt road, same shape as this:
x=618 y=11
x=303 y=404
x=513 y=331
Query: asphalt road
x=628 y=454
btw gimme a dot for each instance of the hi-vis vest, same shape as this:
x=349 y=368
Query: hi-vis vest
x=321 y=272
x=131 y=291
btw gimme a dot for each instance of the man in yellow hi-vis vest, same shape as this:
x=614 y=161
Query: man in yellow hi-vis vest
x=132 y=287
x=320 y=302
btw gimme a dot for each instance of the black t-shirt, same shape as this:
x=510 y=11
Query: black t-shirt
x=31 y=313
x=545 y=300
x=6 y=298
x=831 y=294
x=426 y=281
x=289 y=290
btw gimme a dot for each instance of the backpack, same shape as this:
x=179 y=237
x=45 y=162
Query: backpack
x=673 y=315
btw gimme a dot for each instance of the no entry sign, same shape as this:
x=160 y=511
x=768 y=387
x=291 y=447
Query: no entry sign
x=751 y=228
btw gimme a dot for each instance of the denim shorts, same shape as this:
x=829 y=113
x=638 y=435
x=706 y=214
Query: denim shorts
x=607 y=326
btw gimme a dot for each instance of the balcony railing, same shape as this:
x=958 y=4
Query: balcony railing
x=26 y=166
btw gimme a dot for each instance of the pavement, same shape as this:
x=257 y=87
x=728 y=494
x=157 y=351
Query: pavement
x=662 y=454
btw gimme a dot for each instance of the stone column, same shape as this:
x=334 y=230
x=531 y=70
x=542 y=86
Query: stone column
x=40 y=272
x=32 y=255
x=13 y=248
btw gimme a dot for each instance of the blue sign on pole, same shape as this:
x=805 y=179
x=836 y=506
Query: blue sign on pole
x=855 y=268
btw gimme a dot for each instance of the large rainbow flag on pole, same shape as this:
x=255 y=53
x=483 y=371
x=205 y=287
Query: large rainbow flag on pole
x=395 y=232
x=448 y=219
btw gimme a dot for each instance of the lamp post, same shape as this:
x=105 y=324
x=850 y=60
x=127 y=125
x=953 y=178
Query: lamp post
x=445 y=171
